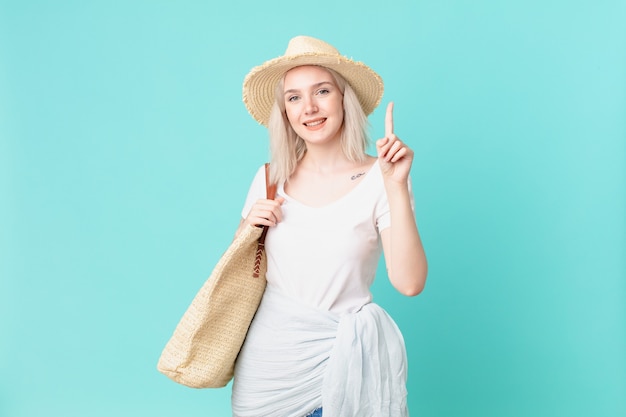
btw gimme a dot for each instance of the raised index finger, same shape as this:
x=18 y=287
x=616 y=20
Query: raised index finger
x=389 y=120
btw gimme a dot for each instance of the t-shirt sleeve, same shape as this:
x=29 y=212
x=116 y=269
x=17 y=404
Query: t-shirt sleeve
x=383 y=217
x=255 y=192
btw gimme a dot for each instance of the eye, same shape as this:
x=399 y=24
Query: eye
x=323 y=91
x=293 y=98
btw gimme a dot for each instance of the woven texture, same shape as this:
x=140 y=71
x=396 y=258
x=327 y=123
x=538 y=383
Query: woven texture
x=202 y=351
x=260 y=83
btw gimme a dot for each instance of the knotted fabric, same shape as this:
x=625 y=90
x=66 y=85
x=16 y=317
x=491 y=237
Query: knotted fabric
x=297 y=358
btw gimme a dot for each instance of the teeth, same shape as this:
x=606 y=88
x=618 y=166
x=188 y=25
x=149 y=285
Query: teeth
x=319 y=122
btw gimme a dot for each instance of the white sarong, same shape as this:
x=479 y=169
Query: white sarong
x=297 y=358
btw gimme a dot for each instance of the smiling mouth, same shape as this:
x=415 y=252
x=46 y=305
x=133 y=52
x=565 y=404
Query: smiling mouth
x=315 y=123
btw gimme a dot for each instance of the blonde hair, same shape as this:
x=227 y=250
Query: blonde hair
x=287 y=148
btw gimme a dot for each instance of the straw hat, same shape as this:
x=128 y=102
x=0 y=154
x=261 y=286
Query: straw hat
x=260 y=83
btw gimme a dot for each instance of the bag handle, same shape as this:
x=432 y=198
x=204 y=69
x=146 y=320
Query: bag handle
x=270 y=192
x=270 y=189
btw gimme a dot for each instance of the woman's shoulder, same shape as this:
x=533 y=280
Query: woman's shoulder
x=370 y=159
x=366 y=165
x=258 y=180
x=260 y=172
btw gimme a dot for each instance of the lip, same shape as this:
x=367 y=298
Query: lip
x=315 y=124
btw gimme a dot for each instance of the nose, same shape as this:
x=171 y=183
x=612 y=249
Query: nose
x=310 y=105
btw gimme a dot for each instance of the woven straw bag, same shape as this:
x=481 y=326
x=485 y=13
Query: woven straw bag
x=204 y=347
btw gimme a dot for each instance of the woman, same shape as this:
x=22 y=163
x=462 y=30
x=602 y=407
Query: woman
x=317 y=340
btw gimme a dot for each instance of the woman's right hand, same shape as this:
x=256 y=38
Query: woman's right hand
x=265 y=212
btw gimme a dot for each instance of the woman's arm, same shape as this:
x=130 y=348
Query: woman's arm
x=404 y=254
x=406 y=262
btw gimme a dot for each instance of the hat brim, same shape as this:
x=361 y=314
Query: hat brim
x=260 y=83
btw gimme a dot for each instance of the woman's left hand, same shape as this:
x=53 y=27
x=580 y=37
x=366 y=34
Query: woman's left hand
x=394 y=156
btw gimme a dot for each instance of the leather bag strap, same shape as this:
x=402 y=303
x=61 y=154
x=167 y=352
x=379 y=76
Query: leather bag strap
x=270 y=192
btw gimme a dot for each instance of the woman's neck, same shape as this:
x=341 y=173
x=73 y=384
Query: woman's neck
x=324 y=158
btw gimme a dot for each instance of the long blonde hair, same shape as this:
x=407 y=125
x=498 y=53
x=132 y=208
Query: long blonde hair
x=287 y=148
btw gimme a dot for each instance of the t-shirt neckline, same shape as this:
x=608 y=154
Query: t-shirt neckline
x=281 y=191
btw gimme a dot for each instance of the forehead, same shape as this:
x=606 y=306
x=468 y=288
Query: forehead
x=304 y=76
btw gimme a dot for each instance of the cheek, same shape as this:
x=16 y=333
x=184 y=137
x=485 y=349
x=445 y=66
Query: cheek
x=291 y=117
x=339 y=107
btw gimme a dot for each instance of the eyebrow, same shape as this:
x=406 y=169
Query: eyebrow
x=314 y=86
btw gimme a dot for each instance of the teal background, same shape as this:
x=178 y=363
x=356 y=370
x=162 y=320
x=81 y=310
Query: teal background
x=126 y=153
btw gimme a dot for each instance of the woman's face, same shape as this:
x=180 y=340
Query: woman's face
x=313 y=104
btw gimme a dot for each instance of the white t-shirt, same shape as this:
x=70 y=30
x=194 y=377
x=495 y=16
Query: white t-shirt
x=327 y=256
